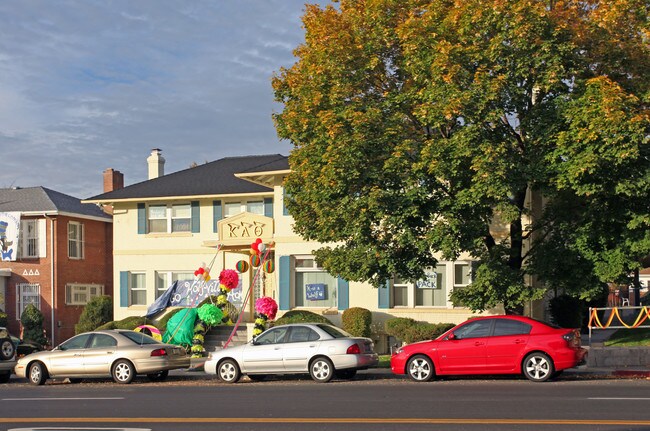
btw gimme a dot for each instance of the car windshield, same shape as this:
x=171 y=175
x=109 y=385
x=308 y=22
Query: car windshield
x=139 y=337
x=334 y=332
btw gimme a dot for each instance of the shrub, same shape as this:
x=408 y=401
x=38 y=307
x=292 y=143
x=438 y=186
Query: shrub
x=32 y=320
x=301 y=316
x=410 y=331
x=567 y=311
x=130 y=322
x=356 y=321
x=97 y=312
x=3 y=319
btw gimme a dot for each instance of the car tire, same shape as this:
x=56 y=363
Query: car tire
x=538 y=367
x=37 y=374
x=321 y=370
x=159 y=376
x=123 y=372
x=257 y=377
x=7 y=349
x=4 y=377
x=420 y=368
x=346 y=374
x=228 y=371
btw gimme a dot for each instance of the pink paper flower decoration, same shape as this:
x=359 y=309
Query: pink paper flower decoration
x=266 y=306
x=229 y=278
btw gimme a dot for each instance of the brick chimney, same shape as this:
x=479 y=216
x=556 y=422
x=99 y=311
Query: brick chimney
x=113 y=180
x=156 y=164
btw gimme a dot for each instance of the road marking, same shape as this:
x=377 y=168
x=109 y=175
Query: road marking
x=618 y=398
x=407 y=421
x=60 y=399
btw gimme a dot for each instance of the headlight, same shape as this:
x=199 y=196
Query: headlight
x=399 y=351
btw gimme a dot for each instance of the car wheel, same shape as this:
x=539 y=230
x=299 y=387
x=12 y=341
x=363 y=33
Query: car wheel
x=123 y=372
x=7 y=349
x=538 y=367
x=321 y=370
x=346 y=374
x=159 y=376
x=420 y=368
x=257 y=377
x=4 y=377
x=37 y=374
x=228 y=371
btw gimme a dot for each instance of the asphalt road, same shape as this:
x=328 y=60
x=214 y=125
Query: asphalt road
x=369 y=402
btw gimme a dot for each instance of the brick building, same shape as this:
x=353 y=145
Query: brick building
x=58 y=259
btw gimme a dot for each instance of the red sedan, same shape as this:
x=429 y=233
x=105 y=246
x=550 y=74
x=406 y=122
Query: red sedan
x=493 y=345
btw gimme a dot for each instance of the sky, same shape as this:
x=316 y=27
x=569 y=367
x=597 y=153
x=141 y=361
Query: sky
x=87 y=85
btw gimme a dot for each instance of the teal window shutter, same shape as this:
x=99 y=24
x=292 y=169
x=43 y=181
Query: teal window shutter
x=196 y=217
x=217 y=214
x=285 y=283
x=383 y=295
x=124 y=288
x=343 y=293
x=268 y=207
x=142 y=219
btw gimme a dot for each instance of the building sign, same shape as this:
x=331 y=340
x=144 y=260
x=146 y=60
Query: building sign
x=9 y=230
x=430 y=281
x=315 y=292
x=244 y=227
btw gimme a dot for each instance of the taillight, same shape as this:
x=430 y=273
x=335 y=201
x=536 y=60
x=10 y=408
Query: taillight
x=159 y=352
x=353 y=350
x=573 y=338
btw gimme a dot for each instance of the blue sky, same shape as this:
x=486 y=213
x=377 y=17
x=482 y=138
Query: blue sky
x=89 y=85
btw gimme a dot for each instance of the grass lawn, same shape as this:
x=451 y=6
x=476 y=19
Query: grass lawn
x=384 y=361
x=629 y=338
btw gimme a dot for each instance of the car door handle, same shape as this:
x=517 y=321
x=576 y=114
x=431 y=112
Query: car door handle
x=520 y=341
x=312 y=345
x=109 y=353
x=276 y=348
x=479 y=343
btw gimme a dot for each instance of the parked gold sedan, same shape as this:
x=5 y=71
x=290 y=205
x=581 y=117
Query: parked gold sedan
x=116 y=353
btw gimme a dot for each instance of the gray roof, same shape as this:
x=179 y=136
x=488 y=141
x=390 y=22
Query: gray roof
x=214 y=178
x=37 y=199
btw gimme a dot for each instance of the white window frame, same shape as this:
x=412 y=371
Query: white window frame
x=132 y=288
x=29 y=239
x=23 y=292
x=170 y=275
x=450 y=285
x=233 y=208
x=77 y=241
x=169 y=217
x=76 y=290
x=313 y=268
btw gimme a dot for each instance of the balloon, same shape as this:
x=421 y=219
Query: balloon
x=261 y=247
x=242 y=266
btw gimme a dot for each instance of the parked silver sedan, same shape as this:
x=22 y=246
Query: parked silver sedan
x=116 y=353
x=322 y=350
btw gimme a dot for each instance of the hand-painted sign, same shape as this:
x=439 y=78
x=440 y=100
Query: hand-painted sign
x=430 y=281
x=9 y=229
x=315 y=291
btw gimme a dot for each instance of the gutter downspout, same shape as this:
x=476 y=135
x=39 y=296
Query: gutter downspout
x=52 y=284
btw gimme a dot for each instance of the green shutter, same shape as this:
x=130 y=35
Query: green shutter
x=142 y=219
x=383 y=295
x=196 y=217
x=124 y=288
x=343 y=293
x=268 y=207
x=285 y=283
x=217 y=214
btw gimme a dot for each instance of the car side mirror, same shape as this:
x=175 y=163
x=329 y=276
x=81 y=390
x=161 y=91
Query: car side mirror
x=451 y=336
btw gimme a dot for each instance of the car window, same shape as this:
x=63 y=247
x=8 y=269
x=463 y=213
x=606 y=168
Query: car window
x=302 y=333
x=510 y=327
x=78 y=342
x=102 y=340
x=334 y=332
x=479 y=328
x=272 y=336
x=139 y=337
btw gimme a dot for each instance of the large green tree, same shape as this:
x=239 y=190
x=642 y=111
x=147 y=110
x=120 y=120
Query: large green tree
x=515 y=131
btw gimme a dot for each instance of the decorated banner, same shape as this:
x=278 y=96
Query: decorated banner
x=9 y=230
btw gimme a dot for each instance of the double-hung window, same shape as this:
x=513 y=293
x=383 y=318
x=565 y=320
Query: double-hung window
x=234 y=208
x=314 y=287
x=75 y=240
x=164 y=279
x=170 y=218
x=137 y=289
x=29 y=240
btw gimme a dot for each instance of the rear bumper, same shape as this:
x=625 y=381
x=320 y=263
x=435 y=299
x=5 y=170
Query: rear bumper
x=151 y=365
x=570 y=358
x=359 y=362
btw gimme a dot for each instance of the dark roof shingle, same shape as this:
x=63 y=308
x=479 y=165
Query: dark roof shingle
x=35 y=199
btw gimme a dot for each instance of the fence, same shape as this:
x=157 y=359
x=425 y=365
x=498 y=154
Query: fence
x=595 y=321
